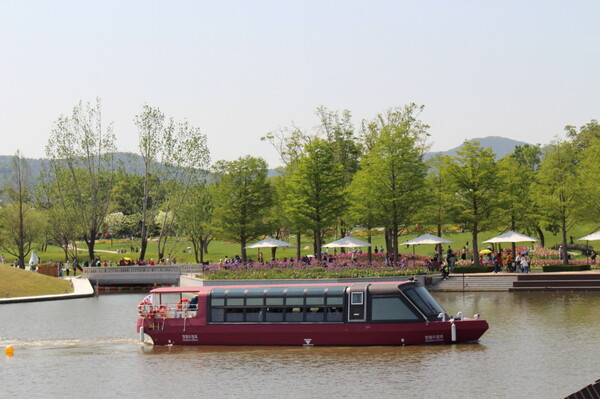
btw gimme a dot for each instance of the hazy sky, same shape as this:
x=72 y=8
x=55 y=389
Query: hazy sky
x=239 y=69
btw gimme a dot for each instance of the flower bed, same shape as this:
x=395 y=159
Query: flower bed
x=338 y=266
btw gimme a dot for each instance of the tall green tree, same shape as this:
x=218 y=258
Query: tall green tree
x=517 y=171
x=242 y=197
x=394 y=167
x=20 y=223
x=589 y=175
x=473 y=175
x=558 y=189
x=195 y=219
x=289 y=144
x=315 y=192
x=175 y=157
x=339 y=132
x=81 y=154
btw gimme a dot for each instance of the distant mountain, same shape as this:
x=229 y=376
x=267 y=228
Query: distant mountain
x=132 y=163
x=500 y=145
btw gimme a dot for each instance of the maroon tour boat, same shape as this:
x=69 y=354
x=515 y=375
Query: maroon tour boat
x=376 y=313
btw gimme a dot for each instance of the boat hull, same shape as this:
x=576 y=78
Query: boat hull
x=191 y=331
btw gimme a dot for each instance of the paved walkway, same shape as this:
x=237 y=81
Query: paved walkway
x=81 y=289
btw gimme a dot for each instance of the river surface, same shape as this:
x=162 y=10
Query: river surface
x=539 y=345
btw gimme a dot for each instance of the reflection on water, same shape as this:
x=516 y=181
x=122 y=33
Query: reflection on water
x=540 y=345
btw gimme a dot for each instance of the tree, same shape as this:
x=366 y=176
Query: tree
x=517 y=170
x=20 y=222
x=314 y=198
x=81 y=164
x=588 y=171
x=339 y=132
x=558 y=190
x=395 y=170
x=474 y=178
x=289 y=144
x=175 y=157
x=242 y=196
x=195 y=219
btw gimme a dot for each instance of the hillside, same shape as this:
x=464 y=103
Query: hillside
x=500 y=145
x=132 y=163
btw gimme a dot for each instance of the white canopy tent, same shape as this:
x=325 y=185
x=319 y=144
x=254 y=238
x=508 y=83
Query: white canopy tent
x=426 y=239
x=269 y=243
x=511 y=236
x=347 y=242
x=591 y=237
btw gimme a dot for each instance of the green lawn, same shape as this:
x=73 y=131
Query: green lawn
x=15 y=282
x=219 y=249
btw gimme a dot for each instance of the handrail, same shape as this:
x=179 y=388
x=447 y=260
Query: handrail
x=183 y=268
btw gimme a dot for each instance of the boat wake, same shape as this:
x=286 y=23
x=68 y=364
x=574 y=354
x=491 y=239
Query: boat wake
x=60 y=343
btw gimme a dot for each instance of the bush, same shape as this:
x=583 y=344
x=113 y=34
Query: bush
x=565 y=268
x=473 y=269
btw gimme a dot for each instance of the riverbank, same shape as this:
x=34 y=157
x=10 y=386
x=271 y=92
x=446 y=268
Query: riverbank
x=81 y=289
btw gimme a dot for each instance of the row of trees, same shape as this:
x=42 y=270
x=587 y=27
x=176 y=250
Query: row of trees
x=332 y=179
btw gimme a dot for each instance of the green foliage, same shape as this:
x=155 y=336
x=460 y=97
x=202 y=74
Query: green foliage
x=473 y=175
x=558 y=188
x=81 y=169
x=195 y=218
x=314 y=197
x=242 y=197
x=391 y=179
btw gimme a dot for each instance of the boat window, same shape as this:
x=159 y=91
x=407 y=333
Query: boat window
x=424 y=301
x=293 y=314
x=217 y=301
x=294 y=301
x=274 y=314
x=318 y=300
x=356 y=298
x=234 y=315
x=334 y=314
x=315 y=314
x=254 y=301
x=335 y=300
x=235 y=301
x=390 y=308
x=217 y=315
x=274 y=301
x=254 y=314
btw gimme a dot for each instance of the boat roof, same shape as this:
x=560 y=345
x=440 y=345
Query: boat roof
x=174 y=290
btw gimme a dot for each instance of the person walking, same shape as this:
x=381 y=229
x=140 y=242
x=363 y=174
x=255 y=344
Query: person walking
x=525 y=264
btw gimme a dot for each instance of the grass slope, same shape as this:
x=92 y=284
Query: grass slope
x=15 y=282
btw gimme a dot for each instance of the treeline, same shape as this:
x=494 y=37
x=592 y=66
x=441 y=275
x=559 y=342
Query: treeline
x=334 y=178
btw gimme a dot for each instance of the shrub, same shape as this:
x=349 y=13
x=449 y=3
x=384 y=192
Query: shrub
x=565 y=268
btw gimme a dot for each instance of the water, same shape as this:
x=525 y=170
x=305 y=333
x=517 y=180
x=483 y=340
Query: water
x=540 y=345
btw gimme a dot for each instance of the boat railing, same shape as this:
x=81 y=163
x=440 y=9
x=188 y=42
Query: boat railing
x=169 y=311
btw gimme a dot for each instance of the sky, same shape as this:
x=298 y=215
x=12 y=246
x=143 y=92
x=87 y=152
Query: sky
x=240 y=69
